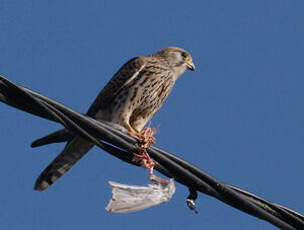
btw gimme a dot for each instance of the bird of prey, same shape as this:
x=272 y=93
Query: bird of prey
x=130 y=99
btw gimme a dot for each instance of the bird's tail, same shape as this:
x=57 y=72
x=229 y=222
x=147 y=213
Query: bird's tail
x=73 y=151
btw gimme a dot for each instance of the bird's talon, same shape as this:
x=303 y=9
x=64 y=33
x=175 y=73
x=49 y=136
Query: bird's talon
x=146 y=137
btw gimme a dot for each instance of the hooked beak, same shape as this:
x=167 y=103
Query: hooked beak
x=190 y=65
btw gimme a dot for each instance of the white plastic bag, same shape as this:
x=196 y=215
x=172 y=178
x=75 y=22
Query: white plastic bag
x=131 y=198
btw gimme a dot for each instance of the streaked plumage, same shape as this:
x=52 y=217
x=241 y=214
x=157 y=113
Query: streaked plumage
x=130 y=99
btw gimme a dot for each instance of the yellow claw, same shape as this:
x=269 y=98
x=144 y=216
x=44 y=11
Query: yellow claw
x=145 y=136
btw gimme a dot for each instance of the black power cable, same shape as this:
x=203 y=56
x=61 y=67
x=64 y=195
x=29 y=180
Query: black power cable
x=122 y=146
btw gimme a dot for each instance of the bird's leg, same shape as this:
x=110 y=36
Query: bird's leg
x=131 y=131
x=145 y=136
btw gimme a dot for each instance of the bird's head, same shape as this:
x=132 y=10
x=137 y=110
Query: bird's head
x=178 y=59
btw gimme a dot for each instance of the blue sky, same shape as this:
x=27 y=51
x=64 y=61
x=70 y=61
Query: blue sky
x=239 y=116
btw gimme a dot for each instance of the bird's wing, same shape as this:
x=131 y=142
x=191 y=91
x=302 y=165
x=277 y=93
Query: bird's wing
x=121 y=79
x=76 y=148
x=58 y=136
x=73 y=151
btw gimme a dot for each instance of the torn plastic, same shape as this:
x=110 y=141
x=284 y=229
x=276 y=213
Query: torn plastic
x=132 y=198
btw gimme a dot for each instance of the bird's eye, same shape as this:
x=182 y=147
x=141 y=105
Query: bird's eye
x=184 y=55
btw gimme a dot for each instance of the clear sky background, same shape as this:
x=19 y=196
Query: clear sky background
x=239 y=116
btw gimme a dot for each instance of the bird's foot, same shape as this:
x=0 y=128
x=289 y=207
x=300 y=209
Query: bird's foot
x=146 y=137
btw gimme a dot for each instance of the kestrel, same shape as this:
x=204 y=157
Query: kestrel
x=130 y=99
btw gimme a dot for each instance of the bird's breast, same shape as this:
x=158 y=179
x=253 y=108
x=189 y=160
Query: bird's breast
x=141 y=99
